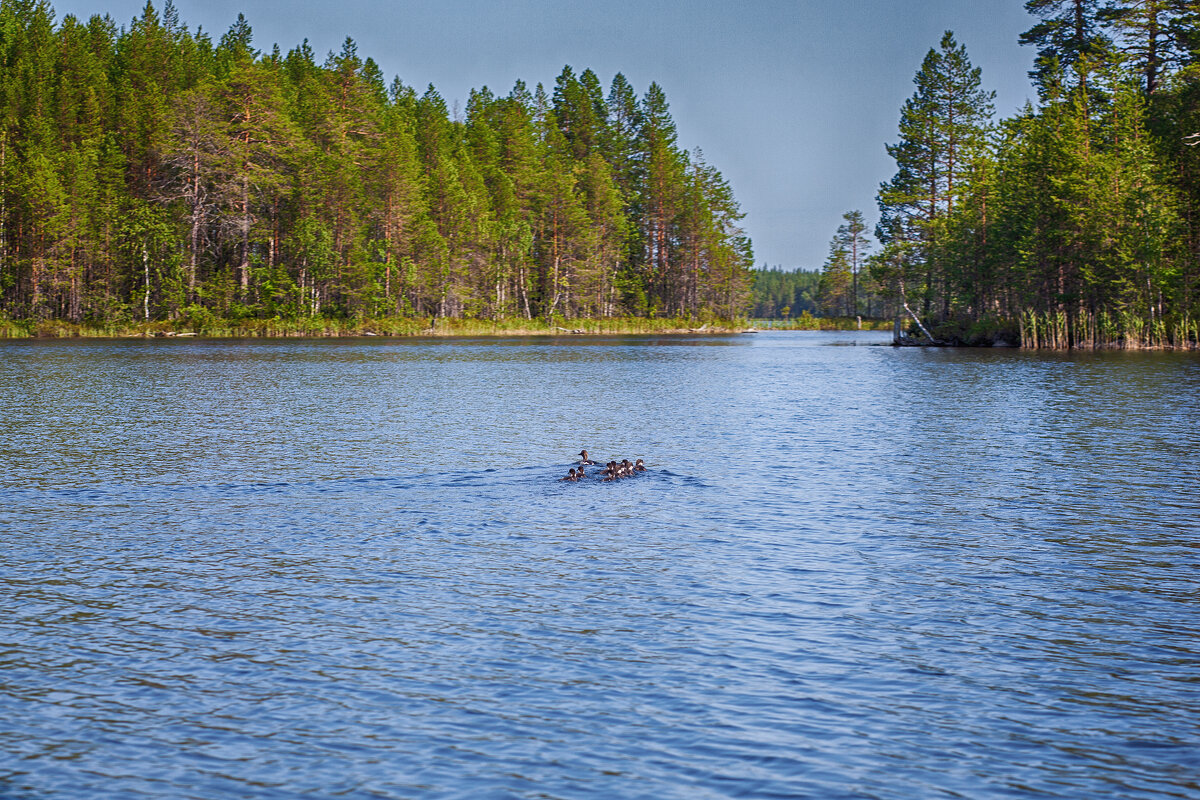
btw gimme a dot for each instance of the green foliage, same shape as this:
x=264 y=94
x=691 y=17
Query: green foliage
x=944 y=129
x=1068 y=36
x=1073 y=224
x=836 y=277
x=146 y=173
x=777 y=290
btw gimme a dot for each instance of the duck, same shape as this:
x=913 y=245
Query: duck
x=583 y=456
x=639 y=466
x=571 y=476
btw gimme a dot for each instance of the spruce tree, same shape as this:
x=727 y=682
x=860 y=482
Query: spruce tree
x=834 y=291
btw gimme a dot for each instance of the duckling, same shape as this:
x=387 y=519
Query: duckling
x=639 y=466
x=571 y=476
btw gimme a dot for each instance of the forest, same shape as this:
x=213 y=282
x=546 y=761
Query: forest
x=148 y=173
x=780 y=293
x=1073 y=224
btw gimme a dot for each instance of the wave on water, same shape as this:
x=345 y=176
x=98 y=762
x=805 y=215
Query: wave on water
x=848 y=573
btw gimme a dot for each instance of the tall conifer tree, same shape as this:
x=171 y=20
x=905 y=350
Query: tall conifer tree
x=943 y=126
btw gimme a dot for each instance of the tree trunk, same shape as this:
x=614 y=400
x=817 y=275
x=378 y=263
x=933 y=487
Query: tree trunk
x=195 y=246
x=244 y=268
x=197 y=217
x=854 y=274
x=3 y=207
x=146 y=273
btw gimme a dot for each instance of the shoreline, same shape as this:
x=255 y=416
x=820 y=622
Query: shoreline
x=207 y=326
x=384 y=329
x=11 y=330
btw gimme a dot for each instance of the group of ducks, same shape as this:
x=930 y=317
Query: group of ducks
x=611 y=472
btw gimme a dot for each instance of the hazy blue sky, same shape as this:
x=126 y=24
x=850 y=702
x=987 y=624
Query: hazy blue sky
x=793 y=100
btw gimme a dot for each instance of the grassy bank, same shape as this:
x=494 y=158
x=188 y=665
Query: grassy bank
x=319 y=327
x=1108 y=331
x=807 y=322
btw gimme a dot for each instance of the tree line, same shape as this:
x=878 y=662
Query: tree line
x=781 y=293
x=846 y=286
x=148 y=173
x=1074 y=223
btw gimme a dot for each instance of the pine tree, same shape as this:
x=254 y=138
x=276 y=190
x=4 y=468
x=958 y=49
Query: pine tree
x=260 y=138
x=399 y=188
x=944 y=126
x=1143 y=36
x=1068 y=37
x=851 y=239
x=662 y=167
x=199 y=165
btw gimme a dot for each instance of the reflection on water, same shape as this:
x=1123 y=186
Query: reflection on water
x=286 y=569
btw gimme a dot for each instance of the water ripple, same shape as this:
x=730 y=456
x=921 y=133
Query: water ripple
x=297 y=569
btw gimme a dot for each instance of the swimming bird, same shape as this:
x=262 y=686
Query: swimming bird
x=571 y=476
x=583 y=456
x=639 y=466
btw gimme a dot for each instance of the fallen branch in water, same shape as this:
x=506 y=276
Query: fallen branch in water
x=913 y=314
x=917 y=320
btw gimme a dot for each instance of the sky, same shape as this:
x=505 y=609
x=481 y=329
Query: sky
x=792 y=100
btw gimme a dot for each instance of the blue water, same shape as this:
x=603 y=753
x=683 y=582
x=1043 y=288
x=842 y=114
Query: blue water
x=346 y=569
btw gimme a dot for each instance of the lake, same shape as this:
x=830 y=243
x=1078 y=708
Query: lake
x=285 y=569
